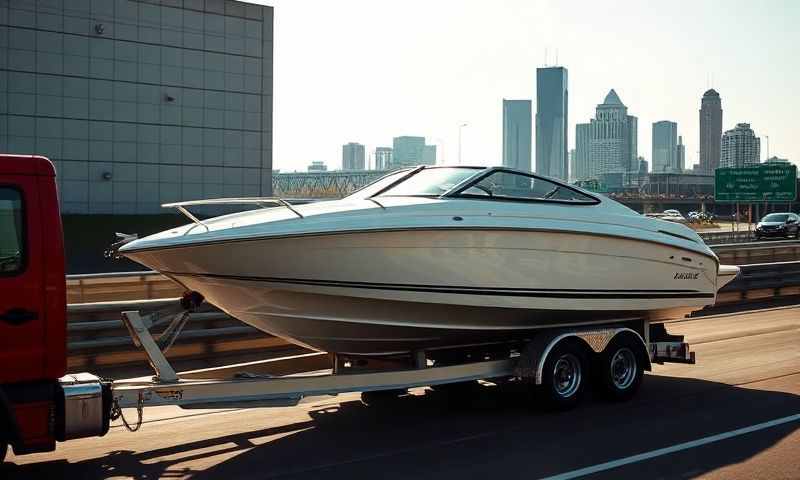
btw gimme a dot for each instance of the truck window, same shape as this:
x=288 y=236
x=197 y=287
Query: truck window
x=12 y=245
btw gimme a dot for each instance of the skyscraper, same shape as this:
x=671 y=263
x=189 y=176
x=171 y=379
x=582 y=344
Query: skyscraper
x=665 y=146
x=681 y=154
x=583 y=168
x=383 y=158
x=353 y=156
x=551 y=122
x=740 y=147
x=517 y=134
x=613 y=138
x=710 y=131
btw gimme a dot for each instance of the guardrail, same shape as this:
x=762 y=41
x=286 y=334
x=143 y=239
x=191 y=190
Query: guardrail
x=714 y=238
x=758 y=252
x=99 y=342
x=119 y=286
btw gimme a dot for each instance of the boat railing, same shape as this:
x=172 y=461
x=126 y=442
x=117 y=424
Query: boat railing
x=261 y=202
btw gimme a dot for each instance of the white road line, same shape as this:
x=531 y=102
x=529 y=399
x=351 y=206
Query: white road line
x=675 y=448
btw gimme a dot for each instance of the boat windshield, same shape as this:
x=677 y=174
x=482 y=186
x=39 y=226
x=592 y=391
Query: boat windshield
x=430 y=182
x=776 y=217
x=511 y=185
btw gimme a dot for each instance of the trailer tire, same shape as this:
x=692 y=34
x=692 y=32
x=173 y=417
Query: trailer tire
x=620 y=368
x=563 y=376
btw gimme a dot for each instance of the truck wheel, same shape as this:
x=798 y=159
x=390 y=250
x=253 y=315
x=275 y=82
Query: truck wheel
x=563 y=376
x=620 y=369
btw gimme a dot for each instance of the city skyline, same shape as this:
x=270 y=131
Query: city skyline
x=467 y=76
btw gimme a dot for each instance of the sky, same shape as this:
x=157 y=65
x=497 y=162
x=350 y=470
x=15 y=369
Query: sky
x=367 y=71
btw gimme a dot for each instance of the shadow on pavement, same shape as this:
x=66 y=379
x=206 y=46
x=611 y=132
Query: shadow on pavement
x=496 y=435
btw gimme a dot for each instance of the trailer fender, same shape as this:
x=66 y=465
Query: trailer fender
x=532 y=359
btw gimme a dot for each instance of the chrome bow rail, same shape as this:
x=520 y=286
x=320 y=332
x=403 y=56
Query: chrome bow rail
x=262 y=202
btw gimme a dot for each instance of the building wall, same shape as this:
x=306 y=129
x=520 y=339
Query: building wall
x=517 y=119
x=552 y=122
x=139 y=103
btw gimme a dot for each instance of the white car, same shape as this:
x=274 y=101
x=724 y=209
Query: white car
x=673 y=216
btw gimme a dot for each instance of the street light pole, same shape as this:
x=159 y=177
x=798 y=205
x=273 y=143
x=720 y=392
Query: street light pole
x=460 y=126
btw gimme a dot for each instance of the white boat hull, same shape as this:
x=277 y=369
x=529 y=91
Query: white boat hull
x=387 y=291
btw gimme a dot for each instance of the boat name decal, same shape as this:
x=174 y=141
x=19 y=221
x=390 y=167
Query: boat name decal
x=686 y=276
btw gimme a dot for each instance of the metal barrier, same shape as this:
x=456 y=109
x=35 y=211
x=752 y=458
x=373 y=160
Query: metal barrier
x=758 y=252
x=98 y=341
x=713 y=238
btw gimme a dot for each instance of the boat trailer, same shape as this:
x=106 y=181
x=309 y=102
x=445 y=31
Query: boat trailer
x=288 y=380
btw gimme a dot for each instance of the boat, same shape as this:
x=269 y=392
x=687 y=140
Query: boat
x=433 y=256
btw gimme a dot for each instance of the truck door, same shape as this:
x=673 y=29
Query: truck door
x=22 y=329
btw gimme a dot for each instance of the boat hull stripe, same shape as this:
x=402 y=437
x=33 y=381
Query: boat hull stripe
x=464 y=290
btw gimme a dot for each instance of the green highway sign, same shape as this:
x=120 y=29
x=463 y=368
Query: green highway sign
x=765 y=182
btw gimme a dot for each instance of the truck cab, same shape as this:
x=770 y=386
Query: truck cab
x=37 y=401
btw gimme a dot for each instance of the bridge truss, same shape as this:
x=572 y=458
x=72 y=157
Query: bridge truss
x=336 y=184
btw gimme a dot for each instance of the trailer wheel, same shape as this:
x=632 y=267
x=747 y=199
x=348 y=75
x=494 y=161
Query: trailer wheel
x=563 y=376
x=620 y=368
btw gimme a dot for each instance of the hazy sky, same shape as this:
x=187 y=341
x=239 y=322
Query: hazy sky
x=366 y=71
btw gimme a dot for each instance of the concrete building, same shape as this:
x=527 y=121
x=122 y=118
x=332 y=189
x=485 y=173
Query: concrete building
x=353 y=156
x=552 y=122
x=409 y=151
x=583 y=168
x=681 y=155
x=317 y=166
x=710 y=131
x=383 y=158
x=740 y=147
x=517 y=134
x=613 y=138
x=140 y=103
x=665 y=147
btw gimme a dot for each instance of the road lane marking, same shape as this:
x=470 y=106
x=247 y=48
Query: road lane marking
x=675 y=448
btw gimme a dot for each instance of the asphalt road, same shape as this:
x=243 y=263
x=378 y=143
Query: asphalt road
x=734 y=415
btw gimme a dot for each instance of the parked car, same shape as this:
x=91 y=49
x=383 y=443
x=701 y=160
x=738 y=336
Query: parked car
x=779 y=225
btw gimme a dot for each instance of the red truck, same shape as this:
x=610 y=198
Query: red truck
x=39 y=405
